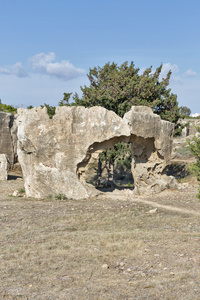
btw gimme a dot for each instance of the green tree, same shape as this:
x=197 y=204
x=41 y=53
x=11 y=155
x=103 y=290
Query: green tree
x=194 y=146
x=117 y=88
x=50 y=110
x=184 y=112
x=65 y=100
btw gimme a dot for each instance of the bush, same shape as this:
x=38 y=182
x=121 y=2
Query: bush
x=60 y=196
x=194 y=146
x=7 y=108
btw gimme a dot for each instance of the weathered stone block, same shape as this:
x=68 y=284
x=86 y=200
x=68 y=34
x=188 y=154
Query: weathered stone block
x=8 y=136
x=54 y=153
x=4 y=164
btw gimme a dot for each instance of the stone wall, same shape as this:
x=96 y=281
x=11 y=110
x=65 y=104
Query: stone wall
x=55 y=153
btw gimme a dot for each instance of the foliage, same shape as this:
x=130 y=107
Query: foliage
x=60 y=196
x=65 y=100
x=179 y=127
x=184 y=112
x=21 y=191
x=194 y=146
x=7 y=108
x=50 y=110
x=184 y=152
x=117 y=88
x=119 y=156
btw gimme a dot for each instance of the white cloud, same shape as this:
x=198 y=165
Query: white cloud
x=174 y=79
x=195 y=115
x=45 y=64
x=168 y=67
x=190 y=73
x=17 y=70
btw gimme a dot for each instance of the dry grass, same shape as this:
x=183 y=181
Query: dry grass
x=55 y=249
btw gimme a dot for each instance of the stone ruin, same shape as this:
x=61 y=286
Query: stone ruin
x=54 y=154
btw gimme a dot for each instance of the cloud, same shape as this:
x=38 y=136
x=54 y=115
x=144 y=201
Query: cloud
x=190 y=73
x=45 y=64
x=195 y=115
x=168 y=67
x=17 y=70
x=174 y=69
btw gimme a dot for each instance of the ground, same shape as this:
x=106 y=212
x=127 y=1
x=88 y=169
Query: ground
x=115 y=246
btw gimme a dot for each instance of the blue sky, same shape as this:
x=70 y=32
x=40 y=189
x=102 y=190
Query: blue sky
x=48 y=46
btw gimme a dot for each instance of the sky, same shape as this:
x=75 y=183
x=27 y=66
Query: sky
x=48 y=46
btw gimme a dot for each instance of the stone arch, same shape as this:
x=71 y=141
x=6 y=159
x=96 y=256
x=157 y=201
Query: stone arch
x=54 y=153
x=92 y=157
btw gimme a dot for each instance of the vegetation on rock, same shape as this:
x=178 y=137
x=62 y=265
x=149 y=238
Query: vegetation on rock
x=117 y=88
x=184 y=112
x=7 y=108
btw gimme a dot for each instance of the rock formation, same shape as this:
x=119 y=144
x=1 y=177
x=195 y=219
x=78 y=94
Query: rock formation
x=151 y=140
x=8 y=137
x=190 y=127
x=4 y=164
x=54 y=153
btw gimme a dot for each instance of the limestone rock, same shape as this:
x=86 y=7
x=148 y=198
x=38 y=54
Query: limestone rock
x=190 y=127
x=151 y=140
x=8 y=136
x=4 y=165
x=54 y=153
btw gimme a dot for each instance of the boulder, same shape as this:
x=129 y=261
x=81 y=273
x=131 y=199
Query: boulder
x=151 y=139
x=8 y=137
x=54 y=154
x=190 y=127
x=4 y=164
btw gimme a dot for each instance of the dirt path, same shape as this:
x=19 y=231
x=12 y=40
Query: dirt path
x=124 y=195
x=168 y=207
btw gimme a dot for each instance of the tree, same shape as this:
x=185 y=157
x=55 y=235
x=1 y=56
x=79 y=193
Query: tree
x=50 y=110
x=117 y=88
x=185 y=112
x=65 y=100
x=194 y=146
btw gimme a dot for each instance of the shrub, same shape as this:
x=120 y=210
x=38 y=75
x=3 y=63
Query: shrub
x=60 y=196
x=194 y=146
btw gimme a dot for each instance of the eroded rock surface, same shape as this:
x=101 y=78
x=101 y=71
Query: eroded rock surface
x=4 y=165
x=8 y=137
x=151 y=139
x=54 y=153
